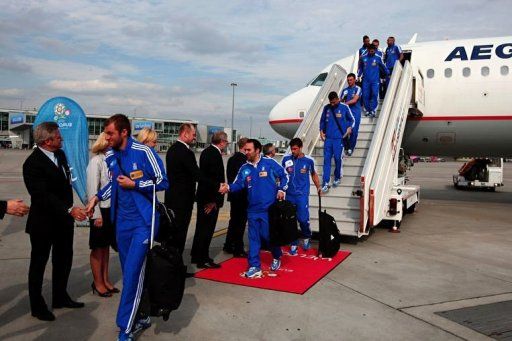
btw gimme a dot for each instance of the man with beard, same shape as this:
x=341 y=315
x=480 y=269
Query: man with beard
x=136 y=171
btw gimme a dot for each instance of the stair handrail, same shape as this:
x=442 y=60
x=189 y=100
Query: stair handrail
x=387 y=167
x=375 y=147
x=309 y=131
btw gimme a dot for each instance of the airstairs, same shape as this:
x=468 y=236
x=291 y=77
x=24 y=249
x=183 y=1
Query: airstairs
x=370 y=190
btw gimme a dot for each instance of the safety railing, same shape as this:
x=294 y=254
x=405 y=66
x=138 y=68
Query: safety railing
x=374 y=152
x=309 y=131
x=386 y=170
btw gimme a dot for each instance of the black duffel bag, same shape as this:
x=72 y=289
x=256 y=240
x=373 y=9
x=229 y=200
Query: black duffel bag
x=282 y=216
x=329 y=235
x=164 y=280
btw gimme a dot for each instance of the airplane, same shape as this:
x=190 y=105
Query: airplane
x=465 y=101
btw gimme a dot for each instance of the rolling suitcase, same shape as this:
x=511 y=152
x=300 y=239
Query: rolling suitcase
x=282 y=216
x=329 y=235
x=164 y=282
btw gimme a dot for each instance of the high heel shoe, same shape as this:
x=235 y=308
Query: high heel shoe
x=100 y=294
x=114 y=290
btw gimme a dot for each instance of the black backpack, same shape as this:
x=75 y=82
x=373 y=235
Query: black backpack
x=329 y=235
x=282 y=216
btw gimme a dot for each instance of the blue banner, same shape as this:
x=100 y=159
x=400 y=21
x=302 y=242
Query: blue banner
x=75 y=134
x=139 y=125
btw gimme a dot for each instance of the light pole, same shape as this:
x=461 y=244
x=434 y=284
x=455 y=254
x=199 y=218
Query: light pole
x=233 y=138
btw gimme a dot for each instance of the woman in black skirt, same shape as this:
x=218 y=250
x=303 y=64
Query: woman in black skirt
x=102 y=231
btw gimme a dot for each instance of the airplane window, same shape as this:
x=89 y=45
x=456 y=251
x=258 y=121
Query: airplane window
x=430 y=73
x=319 y=81
x=485 y=71
x=504 y=70
x=447 y=72
x=466 y=72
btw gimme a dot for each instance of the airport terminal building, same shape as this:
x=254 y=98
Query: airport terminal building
x=16 y=129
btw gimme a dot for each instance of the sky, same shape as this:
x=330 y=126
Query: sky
x=177 y=59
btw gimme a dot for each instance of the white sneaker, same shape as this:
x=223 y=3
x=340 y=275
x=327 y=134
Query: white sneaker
x=325 y=189
x=336 y=183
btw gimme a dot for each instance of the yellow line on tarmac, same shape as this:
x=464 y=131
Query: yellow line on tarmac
x=220 y=232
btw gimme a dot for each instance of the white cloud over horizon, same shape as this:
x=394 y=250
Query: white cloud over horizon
x=177 y=59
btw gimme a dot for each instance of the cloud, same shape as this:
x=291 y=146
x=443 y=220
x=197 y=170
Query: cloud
x=14 y=66
x=177 y=59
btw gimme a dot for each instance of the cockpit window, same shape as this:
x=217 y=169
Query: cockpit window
x=319 y=81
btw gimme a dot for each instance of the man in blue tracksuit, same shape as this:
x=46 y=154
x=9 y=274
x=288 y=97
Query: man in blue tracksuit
x=363 y=49
x=370 y=67
x=135 y=169
x=351 y=96
x=336 y=124
x=265 y=180
x=299 y=167
x=392 y=54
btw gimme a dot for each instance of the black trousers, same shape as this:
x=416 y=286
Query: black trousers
x=237 y=222
x=61 y=245
x=182 y=216
x=205 y=227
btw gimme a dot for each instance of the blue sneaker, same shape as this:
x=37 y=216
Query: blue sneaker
x=325 y=189
x=293 y=250
x=141 y=324
x=125 y=337
x=253 y=272
x=276 y=264
x=306 y=244
x=336 y=183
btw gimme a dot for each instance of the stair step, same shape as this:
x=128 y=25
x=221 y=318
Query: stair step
x=358 y=152
x=347 y=215
x=336 y=203
x=340 y=191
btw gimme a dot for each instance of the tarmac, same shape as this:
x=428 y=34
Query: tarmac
x=454 y=252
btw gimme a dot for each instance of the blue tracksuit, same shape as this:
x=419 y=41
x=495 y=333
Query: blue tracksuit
x=362 y=50
x=132 y=212
x=390 y=57
x=299 y=170
x=346 y=95
x=370 y=67
x=333 y=144
x=261 y=182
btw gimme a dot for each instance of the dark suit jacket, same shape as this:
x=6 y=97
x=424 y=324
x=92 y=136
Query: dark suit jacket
x=183 y=173
x=212 y=174
x=234 y=163
x=3 y=208
x=50 y=192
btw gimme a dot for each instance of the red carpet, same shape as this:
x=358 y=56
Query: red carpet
x=296 y=275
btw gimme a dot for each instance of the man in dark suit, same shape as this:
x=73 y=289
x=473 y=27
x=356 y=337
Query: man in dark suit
x=209 y=200
x=50 y=220
x=14 y=207
x=183 y=173
x=234 y=243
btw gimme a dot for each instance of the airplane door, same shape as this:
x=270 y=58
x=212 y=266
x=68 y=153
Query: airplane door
x=419 y=92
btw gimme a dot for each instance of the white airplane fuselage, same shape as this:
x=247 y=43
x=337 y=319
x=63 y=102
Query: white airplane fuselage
x=466 y=101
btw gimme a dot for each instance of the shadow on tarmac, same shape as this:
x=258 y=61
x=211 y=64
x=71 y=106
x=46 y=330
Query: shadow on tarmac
x=466 y=195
